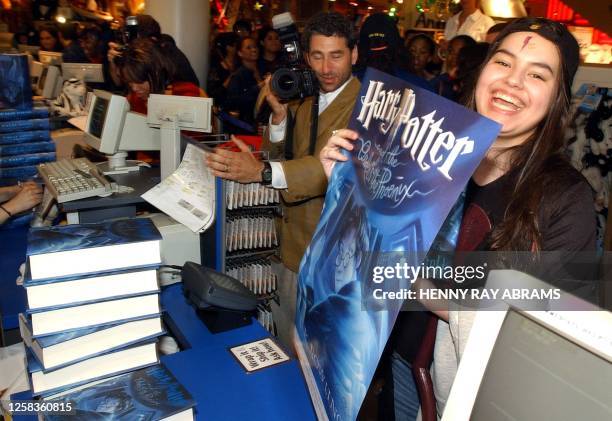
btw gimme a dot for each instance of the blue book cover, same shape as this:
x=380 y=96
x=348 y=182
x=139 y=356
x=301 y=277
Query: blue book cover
x=15 y=84
x=45 y=240
x=36 y=112
x=26 y=160
x=28 y=136
x=148 y=394
x=18 y=173
x=22 y=125
x=415 y=153
x=26 y=148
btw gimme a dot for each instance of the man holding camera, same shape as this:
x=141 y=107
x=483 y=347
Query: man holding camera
x=304 y=126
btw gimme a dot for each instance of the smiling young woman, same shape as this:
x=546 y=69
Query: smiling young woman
x=524 y=196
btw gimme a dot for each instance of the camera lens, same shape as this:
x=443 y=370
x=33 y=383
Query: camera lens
x=285 y=84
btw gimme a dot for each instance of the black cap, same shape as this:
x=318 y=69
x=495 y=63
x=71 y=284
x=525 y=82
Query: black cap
x=379 y=32
x=556 y=33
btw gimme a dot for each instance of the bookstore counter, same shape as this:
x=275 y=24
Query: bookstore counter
x=222 y=389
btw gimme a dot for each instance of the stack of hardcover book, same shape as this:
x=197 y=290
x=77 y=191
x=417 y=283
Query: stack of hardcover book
x=93 y=302
x=25 y=142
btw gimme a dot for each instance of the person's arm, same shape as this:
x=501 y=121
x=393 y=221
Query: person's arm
x=7 y=193
x=113 y=70
x=29 y=196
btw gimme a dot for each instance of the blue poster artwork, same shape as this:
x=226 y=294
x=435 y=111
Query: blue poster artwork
x=415 y=153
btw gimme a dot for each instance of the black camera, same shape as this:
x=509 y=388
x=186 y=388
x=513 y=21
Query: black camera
x=126 y=34
x=294 y=79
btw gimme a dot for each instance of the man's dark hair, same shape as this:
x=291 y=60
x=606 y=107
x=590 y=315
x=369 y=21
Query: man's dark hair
x=242 y=24
x=329 y=24
x=148 y=27
x=68 y=31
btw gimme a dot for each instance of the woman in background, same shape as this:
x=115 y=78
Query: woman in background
x=270 y=45
x=222 y=65
x=146 y=70
x=244 y=84
x=421 y=49
x=444 y=84
x=48 y=39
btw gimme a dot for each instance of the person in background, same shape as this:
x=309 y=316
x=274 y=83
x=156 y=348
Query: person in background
x=270 y=46
x=72 y=52
x=330 y=51
x=90 y=40
x=243 y=28
x=444 y=84
x=421 y=49
x=494 y=31
x=244 y=84
x=145 y=69
x=379 y=47
x=48 y=38
x=148 y=27
x=222 y=66
x=18 y=198
x=470 y=21
x=25 y=35
x=469 y=61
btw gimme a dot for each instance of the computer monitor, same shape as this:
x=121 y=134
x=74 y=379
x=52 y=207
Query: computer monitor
x=528 y=365
x=105 y=121
x=50 y=58
x=87 y=72
x=50 y=82
x=172 y=113
x=113 y=130
x=6 y=40
x=36 y=71
x=30 y=49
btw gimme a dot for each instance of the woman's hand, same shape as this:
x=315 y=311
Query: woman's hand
x=29 y=196
x=340 y=139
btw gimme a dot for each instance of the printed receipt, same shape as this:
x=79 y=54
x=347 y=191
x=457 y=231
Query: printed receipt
x=188 y=194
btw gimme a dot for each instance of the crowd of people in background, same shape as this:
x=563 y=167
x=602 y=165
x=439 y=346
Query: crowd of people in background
x=241 y=59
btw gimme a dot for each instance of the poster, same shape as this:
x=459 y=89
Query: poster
x=414 y=156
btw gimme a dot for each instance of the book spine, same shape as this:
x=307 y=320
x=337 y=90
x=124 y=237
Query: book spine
x=27 y=136
x=129 y=344
x=26 y=148
x=11 y=115
x=92 y=301
x=20 y=125
x=18 y=173
x=29 y=159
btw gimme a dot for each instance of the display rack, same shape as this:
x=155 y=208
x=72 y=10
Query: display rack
x=249 y=263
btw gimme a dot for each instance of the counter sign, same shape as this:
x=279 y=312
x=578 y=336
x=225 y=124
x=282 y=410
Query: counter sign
x=260 y=354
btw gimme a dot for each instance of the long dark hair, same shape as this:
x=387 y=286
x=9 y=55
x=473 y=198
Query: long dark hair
x=144 y=61
x=538 y=162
